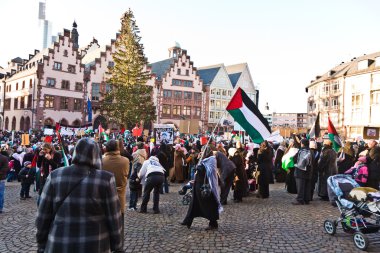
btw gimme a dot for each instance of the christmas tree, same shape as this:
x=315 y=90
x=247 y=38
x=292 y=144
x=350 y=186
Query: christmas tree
x=129 y=100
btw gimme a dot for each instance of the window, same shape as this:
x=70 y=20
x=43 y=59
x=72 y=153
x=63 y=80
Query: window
x=188 y=83
x=176 y=110
x=375 y=97
x=108 y=87
x=71 y=69
x=224 y=93
x=65 y=53
x=187 y=95
x=7 y=104
x=65 y=85
x=212 y=91
x=197 y=96
x=22 y=102
x=212 y=115
x=23 y=84
x=212 y=102
x=335 y=86
x=57 y=66
x=197 y=111
x=30 y=83
x=166 y=109
x=78 y=106
x=64 y=103
x=334 y=103
x=178 y=71
x=326 y=103
x=78 y=86
x=29 y=104
x=176 y=82
x=15 y=103
x=111 y=64
x=218 y=104
x=326 y=88
x=177 y=94
x=49 y=101
x=357 y=101
x=50 y=82
x=16 y=86
x=217 y=92
x=187 y=110
x=95 y=92
x=229 y=93
x=167 y=93
x=187 y=72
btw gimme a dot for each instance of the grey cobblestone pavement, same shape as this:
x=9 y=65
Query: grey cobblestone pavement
x=256 y=225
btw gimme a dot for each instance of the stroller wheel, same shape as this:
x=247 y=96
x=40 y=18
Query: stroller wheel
x=186 y=199
x=361 y=240
x=330 y=227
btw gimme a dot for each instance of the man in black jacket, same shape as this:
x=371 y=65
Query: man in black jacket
x=226 y=171
x=303 y=173
x=3 y=175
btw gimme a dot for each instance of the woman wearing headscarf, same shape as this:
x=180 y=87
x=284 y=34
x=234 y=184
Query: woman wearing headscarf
x=265 y=165
x=346 y=158
x=374 y=168
x=48 y=160
x=326 y=167
x=207 y=207
x=239 y=188
x=79 y=209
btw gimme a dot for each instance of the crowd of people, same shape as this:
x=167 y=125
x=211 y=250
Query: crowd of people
x=84 y=202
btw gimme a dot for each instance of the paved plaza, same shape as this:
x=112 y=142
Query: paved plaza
x=256 y=225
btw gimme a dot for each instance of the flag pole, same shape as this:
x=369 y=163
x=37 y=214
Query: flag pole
x=212 y=134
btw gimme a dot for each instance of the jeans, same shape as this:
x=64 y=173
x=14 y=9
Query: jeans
x=166 y=185
x=2 y=191
x=11 y=176
x=25 y=188
x=133 y=198
x=154 y=183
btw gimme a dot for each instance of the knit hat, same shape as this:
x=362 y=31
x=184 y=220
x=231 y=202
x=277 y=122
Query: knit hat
x=27 y=163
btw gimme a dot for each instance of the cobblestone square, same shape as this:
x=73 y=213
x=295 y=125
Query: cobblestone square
x=256 y=225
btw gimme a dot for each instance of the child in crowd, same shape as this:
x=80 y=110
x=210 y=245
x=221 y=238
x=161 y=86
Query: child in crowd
x=360 y=171
x=134 y=186
x=27 y=176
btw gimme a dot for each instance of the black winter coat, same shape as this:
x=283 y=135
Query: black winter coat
x=374 y=174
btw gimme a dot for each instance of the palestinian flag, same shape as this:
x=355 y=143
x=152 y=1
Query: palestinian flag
x=246 y=113
x=288 y=159
x=315 y=131
x=333 y=136
x=58 y=132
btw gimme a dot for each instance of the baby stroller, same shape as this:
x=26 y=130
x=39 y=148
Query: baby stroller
x=359 y=208
x=187 y=192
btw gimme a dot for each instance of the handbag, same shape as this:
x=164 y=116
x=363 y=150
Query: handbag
x=205 y=188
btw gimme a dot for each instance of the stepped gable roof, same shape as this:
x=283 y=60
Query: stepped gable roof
x=89 y=58
x=207 y=74
x=161 y=67
x=234 y=78
x=17 y=60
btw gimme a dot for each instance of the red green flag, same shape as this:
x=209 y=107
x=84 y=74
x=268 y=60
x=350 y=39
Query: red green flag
x=333 y=136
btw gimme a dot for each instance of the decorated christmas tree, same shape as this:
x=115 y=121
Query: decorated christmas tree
x=129 y=100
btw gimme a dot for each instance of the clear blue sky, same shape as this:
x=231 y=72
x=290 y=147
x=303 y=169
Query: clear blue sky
x=285 y=43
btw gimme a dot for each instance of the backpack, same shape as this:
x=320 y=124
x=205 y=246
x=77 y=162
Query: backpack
x=304 y=160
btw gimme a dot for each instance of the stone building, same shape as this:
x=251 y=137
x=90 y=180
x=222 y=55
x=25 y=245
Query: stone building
x=350 y=94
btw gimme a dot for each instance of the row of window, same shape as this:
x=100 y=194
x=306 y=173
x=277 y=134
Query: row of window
x=95 y=90
x=24 y=102
x=216 y=115
x=218 y=104
x=63 y=103
x=21 y=87
x=179 y=72
x=58 y=66
x=184 y=83
x=65 y=84
x=178 y=94
x=222 y=92
x=178 y=110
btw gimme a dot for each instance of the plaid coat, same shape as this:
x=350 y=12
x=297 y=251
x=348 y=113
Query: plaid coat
x=89 y=220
